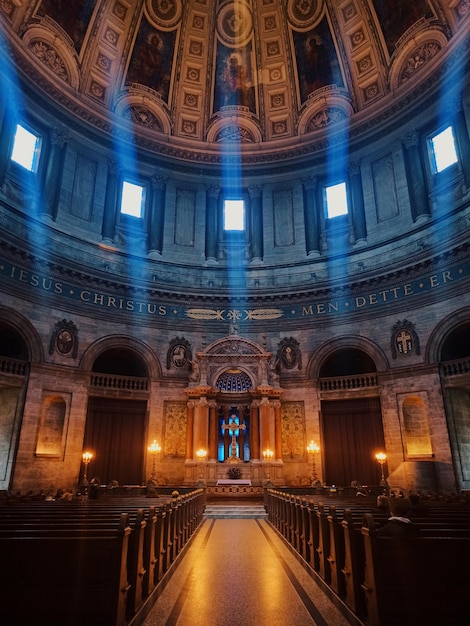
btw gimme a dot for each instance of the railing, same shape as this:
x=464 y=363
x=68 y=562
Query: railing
x=12 y=366
x=348 y=382
x=127 y=383
x=454 y=368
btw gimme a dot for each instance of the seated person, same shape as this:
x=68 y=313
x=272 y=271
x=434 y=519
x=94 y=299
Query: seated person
x=417 y=508
x=398 y=524
x=383 y=504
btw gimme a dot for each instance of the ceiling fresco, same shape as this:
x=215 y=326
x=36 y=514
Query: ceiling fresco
x=200 y=73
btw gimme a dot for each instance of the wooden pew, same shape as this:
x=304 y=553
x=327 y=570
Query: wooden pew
x=70 y=580
x=153 y=538
x=419 y=580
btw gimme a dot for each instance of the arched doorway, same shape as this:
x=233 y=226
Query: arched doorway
x=116 y=426
x=351 y=426
x=14 y=368
x=455 y=375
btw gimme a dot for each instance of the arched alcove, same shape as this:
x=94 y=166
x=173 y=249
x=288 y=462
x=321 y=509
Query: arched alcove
x=121 y=361
x=347 y=361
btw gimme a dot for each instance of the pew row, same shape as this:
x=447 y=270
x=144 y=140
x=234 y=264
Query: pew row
x=89 y=562
x=332 y=542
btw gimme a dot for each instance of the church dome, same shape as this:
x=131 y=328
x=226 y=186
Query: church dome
x=268 y=101
x=267 y=80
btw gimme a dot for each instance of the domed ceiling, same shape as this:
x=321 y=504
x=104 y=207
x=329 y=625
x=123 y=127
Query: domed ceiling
x=192 y=76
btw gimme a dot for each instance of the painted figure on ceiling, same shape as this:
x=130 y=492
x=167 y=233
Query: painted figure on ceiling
x=150 y=63
x=234 y=84
x=317 y=61
x=396 y=16
x=72 y=17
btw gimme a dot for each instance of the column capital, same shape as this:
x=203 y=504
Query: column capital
x=58 y=137
x=213 y=191
x=310 y=182
x=411 y=139
x=255 y=191
x=158 y=182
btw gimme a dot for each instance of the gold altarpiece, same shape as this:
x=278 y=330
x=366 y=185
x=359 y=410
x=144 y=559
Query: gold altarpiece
x=234 y=383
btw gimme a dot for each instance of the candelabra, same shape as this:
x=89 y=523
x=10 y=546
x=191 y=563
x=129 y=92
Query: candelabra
x=201 y=455
x=268 y=456
x=86 y=458
x=154 y=449
x=381 y=458
x=313 y=449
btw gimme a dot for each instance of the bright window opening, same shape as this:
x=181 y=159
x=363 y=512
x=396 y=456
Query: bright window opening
x=25 y=148
x=234 y=215
x=132 y=200
x=443 y=150
x=336 y=200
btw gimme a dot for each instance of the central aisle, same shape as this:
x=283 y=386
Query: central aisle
x=239 y=572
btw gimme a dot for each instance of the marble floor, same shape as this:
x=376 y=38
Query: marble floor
x=240 y=572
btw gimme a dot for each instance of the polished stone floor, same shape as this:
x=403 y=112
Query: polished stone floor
x=239 y=572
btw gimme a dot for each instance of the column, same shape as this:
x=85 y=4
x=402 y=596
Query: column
x=7 y=136
x=254 y=431
x=157 y=215
x=212 y=199
x=277 y=430
x=110 y=204
x=213 y=431
x=201 y=424
x=227 y=437
x=312 y=224
x=190 y=430
x=255 y=192
x=463 y=141
x=53 y=174
x=357 y=201
x=419 y=200
x=265 y=435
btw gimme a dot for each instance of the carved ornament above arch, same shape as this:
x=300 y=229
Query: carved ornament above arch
x=234 y=352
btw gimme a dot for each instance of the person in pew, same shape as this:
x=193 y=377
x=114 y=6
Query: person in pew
x=94 y=488
x=398 y=525
x=417 y=507
x=383 y=504
x=67 y=496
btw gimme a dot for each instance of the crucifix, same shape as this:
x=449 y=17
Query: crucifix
x=232 y=428
x=403 y=340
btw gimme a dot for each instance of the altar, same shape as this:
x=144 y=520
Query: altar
x=245 y=482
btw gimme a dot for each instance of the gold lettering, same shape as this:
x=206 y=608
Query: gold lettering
x=434 y=281
x=446 y=276
x=360 y=301
x=384 y=295
x=408 y=289
x=162 y=309
x=85 y=296
x=320 y=309
x=112 y=301
x=394 y=290
x=372 y=298
x=307 y=310
x=333 y=307
x=129 y=305
x=98 y=299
